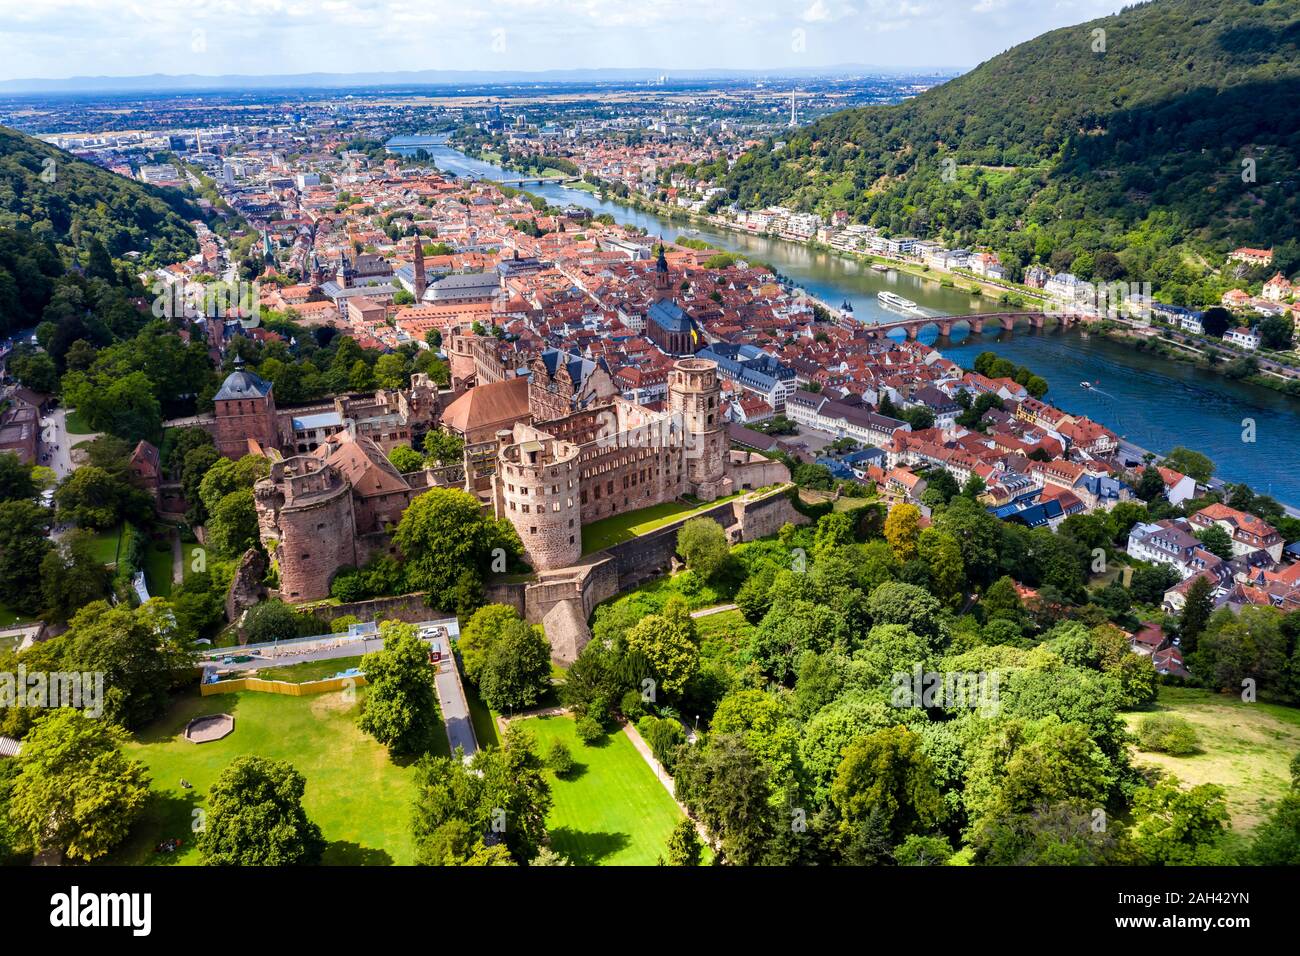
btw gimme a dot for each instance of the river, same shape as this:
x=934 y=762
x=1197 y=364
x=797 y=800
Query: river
x=1149 y=401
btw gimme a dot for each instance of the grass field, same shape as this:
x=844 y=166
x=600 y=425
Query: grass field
x=308 y=670
x=610 y=531
x=106 y=544
x=158 y=568
x=611 y=811
x=1245 y=748
x=76 y=425
x=355 y=792
x=8 y=617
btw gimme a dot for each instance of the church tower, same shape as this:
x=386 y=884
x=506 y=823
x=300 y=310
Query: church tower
x=420 y=284
x=663 y=280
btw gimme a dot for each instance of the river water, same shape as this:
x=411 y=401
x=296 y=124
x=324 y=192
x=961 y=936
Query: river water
x=1150 y=402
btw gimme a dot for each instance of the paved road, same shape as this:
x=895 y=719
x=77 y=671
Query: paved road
x=57 y=443
x=455 y=708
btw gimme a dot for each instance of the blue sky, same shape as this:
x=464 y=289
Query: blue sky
x=60 y=38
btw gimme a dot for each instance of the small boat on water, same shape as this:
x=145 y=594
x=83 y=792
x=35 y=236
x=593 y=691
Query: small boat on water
x=879 y=267
x=1089 y=384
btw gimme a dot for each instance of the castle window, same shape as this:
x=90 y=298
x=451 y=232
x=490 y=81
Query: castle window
x=532 y=530
x=570 y=525
x=525 y=507
x=555 y=506
x=570 y=539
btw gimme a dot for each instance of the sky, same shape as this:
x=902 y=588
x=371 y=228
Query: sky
x=63 y=38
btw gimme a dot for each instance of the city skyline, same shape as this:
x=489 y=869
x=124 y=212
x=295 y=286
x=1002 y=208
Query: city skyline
x=272 y=37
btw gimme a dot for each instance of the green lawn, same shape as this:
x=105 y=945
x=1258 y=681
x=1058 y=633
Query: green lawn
x=357 y=795
x=611 y=811
x=76 y=425
x=158 y=568
x=1245 y=748
x=309 y=670
x=106 y=544
x=610 y=531
x=8 y=617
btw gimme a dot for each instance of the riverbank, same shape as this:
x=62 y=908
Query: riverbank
x=1144 y=397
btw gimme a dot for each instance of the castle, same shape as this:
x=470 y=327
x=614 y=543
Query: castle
x=574 y=453
x=246 y=420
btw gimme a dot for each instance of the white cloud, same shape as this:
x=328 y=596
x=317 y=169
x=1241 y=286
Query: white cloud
x=51 y=38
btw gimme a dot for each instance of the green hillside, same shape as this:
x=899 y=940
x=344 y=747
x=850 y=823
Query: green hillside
x=59 y=198
x=1115 y=155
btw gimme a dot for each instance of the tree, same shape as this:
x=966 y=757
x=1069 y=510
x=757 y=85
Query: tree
x=1215 y=321
x=1001 y=602
x=516 y=671
x=669 y=644
x=16 y=483
x=1276 y=332
x=255 y=817
x=1191 y=463
x=703 y=543
x=914 y=608
x=406 y=459
x=140 y=651
x=1216 y=540
x=23 y=547
x=1198 y=606
x=1176 y=827
x=274 y=620
x=1277 y=840
x=902 y=530
x=919 y=850
x=478 y=635
x=92 y=498
x=232 y=525
x=77 y=793
x=499 y=799
x=726 y=786
x=400 y=710
x=886 y=775
x=443 y=448
x=684 y=847
x=390 y=371
x=941 y=553
x=72 y=576
x=450 y=545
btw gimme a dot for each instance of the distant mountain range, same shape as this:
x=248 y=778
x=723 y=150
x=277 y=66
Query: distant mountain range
x=1139 y=146
x=160 y=82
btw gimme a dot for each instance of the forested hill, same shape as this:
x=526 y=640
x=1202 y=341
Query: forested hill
x=76 y=203
x=1123 y=135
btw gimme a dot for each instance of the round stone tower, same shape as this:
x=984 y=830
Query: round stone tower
x=304 y=516
x=695 y=397
x=537 y=486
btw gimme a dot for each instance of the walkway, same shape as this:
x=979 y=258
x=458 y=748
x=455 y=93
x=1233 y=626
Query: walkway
x=665 y=779
x=716 y=609
x=454 y=706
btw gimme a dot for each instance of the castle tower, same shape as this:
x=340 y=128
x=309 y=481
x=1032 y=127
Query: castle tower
x=536 y=489
x=420 y=284
x=306 y=523
x=695 y=398
x=460 y=355
x=245 y=409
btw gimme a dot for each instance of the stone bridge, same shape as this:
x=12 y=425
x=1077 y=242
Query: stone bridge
x=1004 y=321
